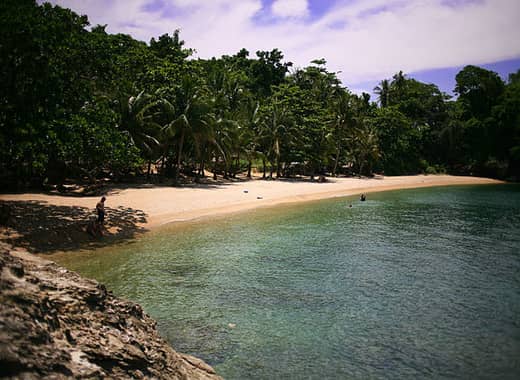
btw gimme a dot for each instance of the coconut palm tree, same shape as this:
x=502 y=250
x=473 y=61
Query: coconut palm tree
x=189 y=117
x=137 y=120
x=383 y=92
x=274 y=128
x=248 y=136
x=342 y=123
x=365 y=148
x=397 y=88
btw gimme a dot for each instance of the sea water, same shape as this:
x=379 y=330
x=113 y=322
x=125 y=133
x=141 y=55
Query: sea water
x=409 y=284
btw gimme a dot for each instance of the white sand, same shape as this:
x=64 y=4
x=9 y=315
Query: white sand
x=169 y=204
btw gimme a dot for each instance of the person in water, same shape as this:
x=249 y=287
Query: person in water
x=363 y=198
x=100 y=208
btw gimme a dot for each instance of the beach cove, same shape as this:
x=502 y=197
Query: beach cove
x=192 y=323
x=48 y=223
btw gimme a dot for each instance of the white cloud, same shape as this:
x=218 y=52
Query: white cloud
x=365 y=39
x=290 y=8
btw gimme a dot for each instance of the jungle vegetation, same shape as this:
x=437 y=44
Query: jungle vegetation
x=80 y=104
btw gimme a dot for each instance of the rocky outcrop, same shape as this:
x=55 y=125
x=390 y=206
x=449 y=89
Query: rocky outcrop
x=56 y=324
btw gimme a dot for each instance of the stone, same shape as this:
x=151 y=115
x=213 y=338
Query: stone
x=56 y=324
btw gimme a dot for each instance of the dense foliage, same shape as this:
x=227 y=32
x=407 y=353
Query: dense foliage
x=82 y=104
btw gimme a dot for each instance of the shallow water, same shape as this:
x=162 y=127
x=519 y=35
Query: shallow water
x=409 y=284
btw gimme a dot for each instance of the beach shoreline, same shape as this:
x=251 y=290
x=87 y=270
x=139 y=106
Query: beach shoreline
x=55 y=225
x=131 y=211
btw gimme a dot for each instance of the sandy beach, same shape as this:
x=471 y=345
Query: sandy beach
x=44 y=222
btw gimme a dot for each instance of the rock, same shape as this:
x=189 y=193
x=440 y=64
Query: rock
x=17 y=269
x=56 y=324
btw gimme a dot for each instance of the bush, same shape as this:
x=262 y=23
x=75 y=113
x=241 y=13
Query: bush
x=435 y=169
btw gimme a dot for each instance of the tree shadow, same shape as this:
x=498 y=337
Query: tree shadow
x=81 y=191
x=43 y=228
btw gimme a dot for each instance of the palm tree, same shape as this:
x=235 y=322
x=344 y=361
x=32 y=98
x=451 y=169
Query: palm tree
x=397 y=88
x=342 y=121
x=383 y=92
x=365 y=148
x=450 y=135
x=204 y=139
x=190 y=116
x=138 y=121
x=249 y=139
x=274 y=129
x=227 y=97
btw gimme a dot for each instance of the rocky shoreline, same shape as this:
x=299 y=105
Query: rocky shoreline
x=56 y=324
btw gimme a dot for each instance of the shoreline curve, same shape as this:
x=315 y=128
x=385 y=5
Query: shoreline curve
x=163 y=205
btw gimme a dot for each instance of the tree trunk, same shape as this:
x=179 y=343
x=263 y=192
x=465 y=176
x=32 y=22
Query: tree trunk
x=215 y=169
x=148 y=171
x=179 y=159
x=335 y=163
x=202 y=167
x=226 y=168
x=169 y=164
x=249 y=164
x=237 y=166
x=163 y=160
x=263 y=168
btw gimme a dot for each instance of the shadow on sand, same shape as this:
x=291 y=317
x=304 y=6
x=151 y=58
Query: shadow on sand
x=80 y=191
x=43 y=228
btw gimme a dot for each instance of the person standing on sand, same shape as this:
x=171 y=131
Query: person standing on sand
x=100 y=208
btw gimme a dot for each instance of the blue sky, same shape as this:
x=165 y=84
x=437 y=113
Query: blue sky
x=445 y=78
x=365 y=41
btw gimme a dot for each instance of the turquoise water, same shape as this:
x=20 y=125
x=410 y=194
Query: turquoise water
x=409 y=284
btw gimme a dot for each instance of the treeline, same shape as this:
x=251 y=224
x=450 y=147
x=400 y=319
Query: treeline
x=83 y=104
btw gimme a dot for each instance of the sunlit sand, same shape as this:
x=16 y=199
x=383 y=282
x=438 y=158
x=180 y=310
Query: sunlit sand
x=162 y=205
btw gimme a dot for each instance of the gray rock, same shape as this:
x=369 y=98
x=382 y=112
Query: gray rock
x=56 y=324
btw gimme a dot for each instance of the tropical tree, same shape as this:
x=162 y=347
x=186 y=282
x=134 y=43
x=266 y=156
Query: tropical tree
x=397 y=137
x=365 y=148
x=267 y=71
x=139 y=123
x=249 y=133
x=383 y=92
x=397 y=88
x=478 y=90
x=170 y=48
x=506 y=115
x=187 y=116
x=450 y=142
x=275 y=129
x=342 y=123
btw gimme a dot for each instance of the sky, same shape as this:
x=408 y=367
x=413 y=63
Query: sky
x=364 y=41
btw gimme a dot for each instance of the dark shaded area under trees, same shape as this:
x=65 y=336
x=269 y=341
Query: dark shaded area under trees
x=79 y=104
x=44 y=228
